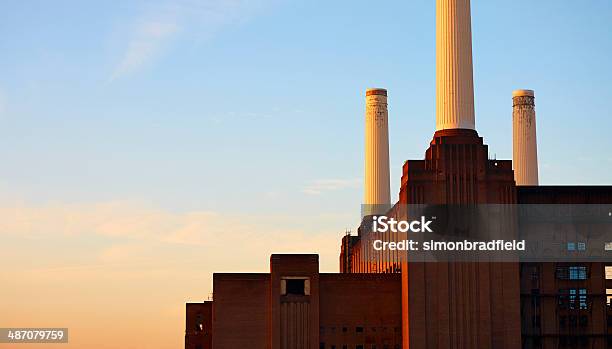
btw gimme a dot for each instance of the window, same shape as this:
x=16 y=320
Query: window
x=584 y=321
x=577 y=298
x=322 y=345
x=608 y=272
x=359 y=346
x=571 y=246
x=608 y=246
x=577 y=273
x=199 y=325
x=295 y=286
x=359 y=329
x=581 y=246
x=609 y=296
x=582 y=299
x=572 y=298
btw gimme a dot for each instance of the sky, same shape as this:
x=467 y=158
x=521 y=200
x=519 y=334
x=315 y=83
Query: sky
x=145 y=145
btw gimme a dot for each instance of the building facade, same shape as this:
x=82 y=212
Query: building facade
x=296 y=307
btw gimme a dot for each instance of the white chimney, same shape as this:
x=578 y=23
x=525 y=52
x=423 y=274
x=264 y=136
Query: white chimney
x=376 y=152
x=524 y=141
x=454 y=80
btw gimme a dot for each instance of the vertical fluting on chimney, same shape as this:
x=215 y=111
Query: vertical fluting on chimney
x=454 y=75
x=524 y=141
x=376 y=193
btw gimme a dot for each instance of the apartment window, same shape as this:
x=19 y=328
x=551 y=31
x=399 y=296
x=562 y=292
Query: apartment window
x=562 y=321
x=581 y=246
x=609 y=296
x=571 y=246
x=359 y=329
x=584 y=321
x=608 y=272
x=608 y=246
x=344 y=329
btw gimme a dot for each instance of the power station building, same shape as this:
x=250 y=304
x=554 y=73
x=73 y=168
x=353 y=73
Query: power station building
x=386 y=301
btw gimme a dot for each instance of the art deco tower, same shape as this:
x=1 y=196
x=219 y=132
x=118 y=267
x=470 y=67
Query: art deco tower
x=454 y=76
x=376 y=193
x=449 y=304
x=524 y=142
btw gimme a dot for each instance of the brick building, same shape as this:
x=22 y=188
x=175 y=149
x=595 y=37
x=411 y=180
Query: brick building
x=295 y=306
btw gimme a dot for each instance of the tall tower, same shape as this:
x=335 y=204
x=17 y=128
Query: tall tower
x=454 y=76
x=376 y=193
x=524 y=142
x=450 y=304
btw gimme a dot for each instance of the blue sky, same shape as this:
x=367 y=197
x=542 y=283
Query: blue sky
x=196 y=104
x=133 y=134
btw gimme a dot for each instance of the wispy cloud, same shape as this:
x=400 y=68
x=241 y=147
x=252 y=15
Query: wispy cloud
x=320 y=186
x=149 y=38
x=156 y=28
x=134 y=228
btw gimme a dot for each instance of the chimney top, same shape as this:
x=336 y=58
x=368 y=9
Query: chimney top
x=521 y=93
x=376 y=91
